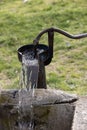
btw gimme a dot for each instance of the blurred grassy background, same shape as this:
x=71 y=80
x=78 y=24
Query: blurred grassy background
x=21 y=22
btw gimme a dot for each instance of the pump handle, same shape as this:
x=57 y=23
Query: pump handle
x=50 y=32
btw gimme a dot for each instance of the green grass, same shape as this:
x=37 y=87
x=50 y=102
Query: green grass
x=21 y=22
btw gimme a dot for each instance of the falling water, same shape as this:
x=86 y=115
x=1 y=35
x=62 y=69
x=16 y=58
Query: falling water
x=29 y=78
x=30 y=68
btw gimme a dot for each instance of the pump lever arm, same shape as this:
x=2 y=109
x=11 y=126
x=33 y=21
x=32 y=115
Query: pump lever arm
x=79 y=36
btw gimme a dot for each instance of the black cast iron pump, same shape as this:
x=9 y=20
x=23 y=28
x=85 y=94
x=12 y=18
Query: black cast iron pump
x=44 y=53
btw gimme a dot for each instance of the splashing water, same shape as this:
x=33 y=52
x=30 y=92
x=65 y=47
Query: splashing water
x=29 y=78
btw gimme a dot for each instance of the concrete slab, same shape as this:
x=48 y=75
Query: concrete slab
x=80 y=117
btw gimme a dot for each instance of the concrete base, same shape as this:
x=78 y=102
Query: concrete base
x=80 y=116
x=42 y=109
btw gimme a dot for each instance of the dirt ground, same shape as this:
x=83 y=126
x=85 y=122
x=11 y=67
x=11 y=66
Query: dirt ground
x=80 y=117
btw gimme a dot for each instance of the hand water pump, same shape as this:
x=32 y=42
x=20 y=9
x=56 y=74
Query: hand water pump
x=43 y=53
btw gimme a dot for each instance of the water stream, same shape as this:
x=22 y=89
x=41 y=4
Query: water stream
x=29 y=78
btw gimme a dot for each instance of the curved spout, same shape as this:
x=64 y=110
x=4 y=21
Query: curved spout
x=79 y=36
